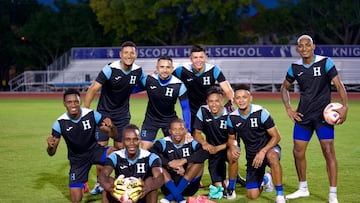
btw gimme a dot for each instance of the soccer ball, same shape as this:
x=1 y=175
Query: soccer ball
x=330 y=115
x=127 y=190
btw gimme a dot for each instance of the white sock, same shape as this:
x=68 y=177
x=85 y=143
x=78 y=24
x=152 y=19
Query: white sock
x=333 y=190
x=303 y=184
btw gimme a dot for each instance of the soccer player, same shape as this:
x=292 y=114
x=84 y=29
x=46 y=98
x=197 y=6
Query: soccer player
x=211 y=120
x=183 y=162
x=314 y=75
x=198 y=76
x=133 y=162
x=163 y=89
x=256 y=128
x=77 y=126
x=116 y=81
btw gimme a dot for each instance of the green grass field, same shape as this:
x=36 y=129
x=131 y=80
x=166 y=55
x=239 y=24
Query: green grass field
x=28 y=174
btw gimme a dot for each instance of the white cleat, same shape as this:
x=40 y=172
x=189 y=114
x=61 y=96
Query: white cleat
x=269 y=187
x=333 y=198
x=163 y=200
x=302 y=192
x=280 y=199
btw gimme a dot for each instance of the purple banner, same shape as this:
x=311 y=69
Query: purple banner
x=217 y=51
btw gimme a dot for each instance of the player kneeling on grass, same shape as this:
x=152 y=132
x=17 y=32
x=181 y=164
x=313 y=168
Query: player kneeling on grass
x=77 y=126
x=138 y=172
x=256 y=128
x=183 y=162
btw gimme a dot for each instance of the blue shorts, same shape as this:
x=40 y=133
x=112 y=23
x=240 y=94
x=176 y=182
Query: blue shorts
x=255 y=176
x=80 y=167
x=305 y=132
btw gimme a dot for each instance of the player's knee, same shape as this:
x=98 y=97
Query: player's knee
x=272 y=157
x=253 y=194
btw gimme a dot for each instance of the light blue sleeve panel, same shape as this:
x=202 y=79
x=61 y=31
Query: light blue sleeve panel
x=152 y=158
x=107 y=71
x=98 y=117
x=290 y=71
x=217 y=72
x=329 y=65
x=113 y=158
x=264 y=115
x=229 y=122
x=56 y=127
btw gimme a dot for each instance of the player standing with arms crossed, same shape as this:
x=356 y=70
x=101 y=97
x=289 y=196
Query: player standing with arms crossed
x=77 y=127
x=116 y=81
x=314 y=75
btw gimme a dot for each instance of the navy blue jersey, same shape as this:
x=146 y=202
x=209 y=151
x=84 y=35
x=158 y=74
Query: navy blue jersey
x=315 y=85
x=117 y=86
x=252 y=129
x=141 y=167
x=163 y=97
x=214 y=127
x=167 y=150
x=79 y=134
x=198 y=83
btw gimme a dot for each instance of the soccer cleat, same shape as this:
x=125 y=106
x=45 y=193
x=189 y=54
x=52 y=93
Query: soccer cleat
x=230 y=194
x=302 y=192
x=268 y=186
x=333 y=198
x=97 y=189
x=280 y=199
x=241 y=180
x=86 y=187
x=163 y=200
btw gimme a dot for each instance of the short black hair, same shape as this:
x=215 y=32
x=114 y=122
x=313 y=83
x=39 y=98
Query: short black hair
x=71 y=91
x=214 y=90
x=131 y=127
x=197 y=48
x=128 y=44
x=165 y=58
x=178 y=120
x=242 y=86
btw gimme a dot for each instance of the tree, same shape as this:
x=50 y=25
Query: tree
x=48 y=33
x=329 y=22
x=172 y=22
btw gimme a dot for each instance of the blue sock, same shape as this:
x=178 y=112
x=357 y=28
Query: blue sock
x=170 y=197
x=231 y=185
x=172 y=188
x=279 y=190
x=182 y=185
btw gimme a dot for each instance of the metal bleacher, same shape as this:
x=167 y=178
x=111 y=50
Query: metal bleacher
x=262 y=73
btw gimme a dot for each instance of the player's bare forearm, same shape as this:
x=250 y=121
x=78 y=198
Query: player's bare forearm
x=154 y=182
x=90 y=93
x=106 y=181
x=52 y=145
x=285 y=96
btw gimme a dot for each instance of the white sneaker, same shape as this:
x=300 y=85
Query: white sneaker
x=97 y=189
x=230 y=194
x=163 y=200
x=302 y=192
x=269 y=187
x=333 y=198
x=280 y=199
